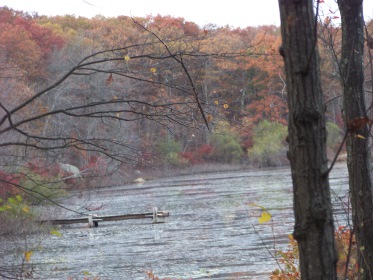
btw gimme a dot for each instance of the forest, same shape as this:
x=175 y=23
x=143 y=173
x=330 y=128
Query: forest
x=91 y=102
x=132 y=94
x=129 y=100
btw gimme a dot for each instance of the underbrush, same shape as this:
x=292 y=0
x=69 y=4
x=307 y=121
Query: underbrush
x=347 y=254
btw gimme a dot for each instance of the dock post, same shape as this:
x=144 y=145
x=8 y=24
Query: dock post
x=155 y=215
x=90 y=221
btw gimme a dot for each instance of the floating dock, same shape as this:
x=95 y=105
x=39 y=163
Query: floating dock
x=92 y=220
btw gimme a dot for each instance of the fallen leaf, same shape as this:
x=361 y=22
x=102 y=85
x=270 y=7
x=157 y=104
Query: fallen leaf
x=28 y=256
x=109 y=80
x=265 y=217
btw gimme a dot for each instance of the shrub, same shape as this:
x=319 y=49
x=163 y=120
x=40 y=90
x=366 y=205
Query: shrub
x=333 y=139
x=200 y=155
x=170 y=152
x=40 y=189
x=269 y=143
x=226 y=148
x=169 y=146
x=226 y=144
x=15 y=214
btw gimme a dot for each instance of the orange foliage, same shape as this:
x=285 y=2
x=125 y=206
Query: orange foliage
x=344 y=242
x=271 y=107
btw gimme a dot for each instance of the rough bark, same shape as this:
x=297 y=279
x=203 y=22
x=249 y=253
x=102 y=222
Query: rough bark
x=358 y=153
x=314 y=229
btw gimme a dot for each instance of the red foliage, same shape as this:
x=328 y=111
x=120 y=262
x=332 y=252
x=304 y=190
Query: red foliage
x=191 y=29
x=188 y=156
x=49 y=171
x=358 y=124
x=200 y=155
x=38 y=168
x=205 y=149
x=8 y=184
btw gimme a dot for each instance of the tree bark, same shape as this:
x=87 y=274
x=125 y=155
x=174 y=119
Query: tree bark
x=358 y=153
x=314 y=229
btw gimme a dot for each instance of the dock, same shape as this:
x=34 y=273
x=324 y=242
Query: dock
x=92 y=220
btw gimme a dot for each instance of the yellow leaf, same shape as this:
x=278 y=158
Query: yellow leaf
x=209 y=118
x=225 y=106
x=265 y=217
x=28 y=256
x=55 y=232
x=126 y=58
x=360 y=136
x=26 y=209
x=216 y=102
x=86 y=273
x=153 y=70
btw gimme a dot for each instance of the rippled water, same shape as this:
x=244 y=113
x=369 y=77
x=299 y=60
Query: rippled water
x=212 y=232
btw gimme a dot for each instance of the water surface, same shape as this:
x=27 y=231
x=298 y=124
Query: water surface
x=212 y=232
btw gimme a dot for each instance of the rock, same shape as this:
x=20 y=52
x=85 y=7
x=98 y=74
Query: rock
x=139 y=180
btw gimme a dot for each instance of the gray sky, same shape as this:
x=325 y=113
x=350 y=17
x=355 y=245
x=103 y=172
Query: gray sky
x=236 y=13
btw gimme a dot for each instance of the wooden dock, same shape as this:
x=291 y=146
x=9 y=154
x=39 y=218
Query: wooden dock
x=92 y=220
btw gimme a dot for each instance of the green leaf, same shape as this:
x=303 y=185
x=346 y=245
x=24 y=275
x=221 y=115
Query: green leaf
x=55 y=232
x=12 y=200
x=19 y=198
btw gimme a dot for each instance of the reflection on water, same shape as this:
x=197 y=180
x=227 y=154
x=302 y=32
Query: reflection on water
x=209 y=234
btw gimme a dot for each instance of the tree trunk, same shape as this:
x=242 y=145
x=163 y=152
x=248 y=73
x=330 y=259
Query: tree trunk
x=358 y=153
x=314 y=229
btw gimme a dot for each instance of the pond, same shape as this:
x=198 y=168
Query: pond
x=212 y=231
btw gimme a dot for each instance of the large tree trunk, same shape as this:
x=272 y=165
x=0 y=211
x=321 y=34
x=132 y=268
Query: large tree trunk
x=314 y=229
x=358 y=160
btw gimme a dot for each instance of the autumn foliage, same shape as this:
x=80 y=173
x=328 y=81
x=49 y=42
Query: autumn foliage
x=347 y=254
x=237 y=76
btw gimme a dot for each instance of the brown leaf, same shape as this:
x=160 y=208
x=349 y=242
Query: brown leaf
x=109 y=80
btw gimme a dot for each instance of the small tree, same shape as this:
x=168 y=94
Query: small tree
x=333 y=138
x=226 y=144
x=269 y=142
x=170 y=152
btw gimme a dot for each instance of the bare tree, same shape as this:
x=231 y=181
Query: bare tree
x=314 y=229
x=356 y=121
